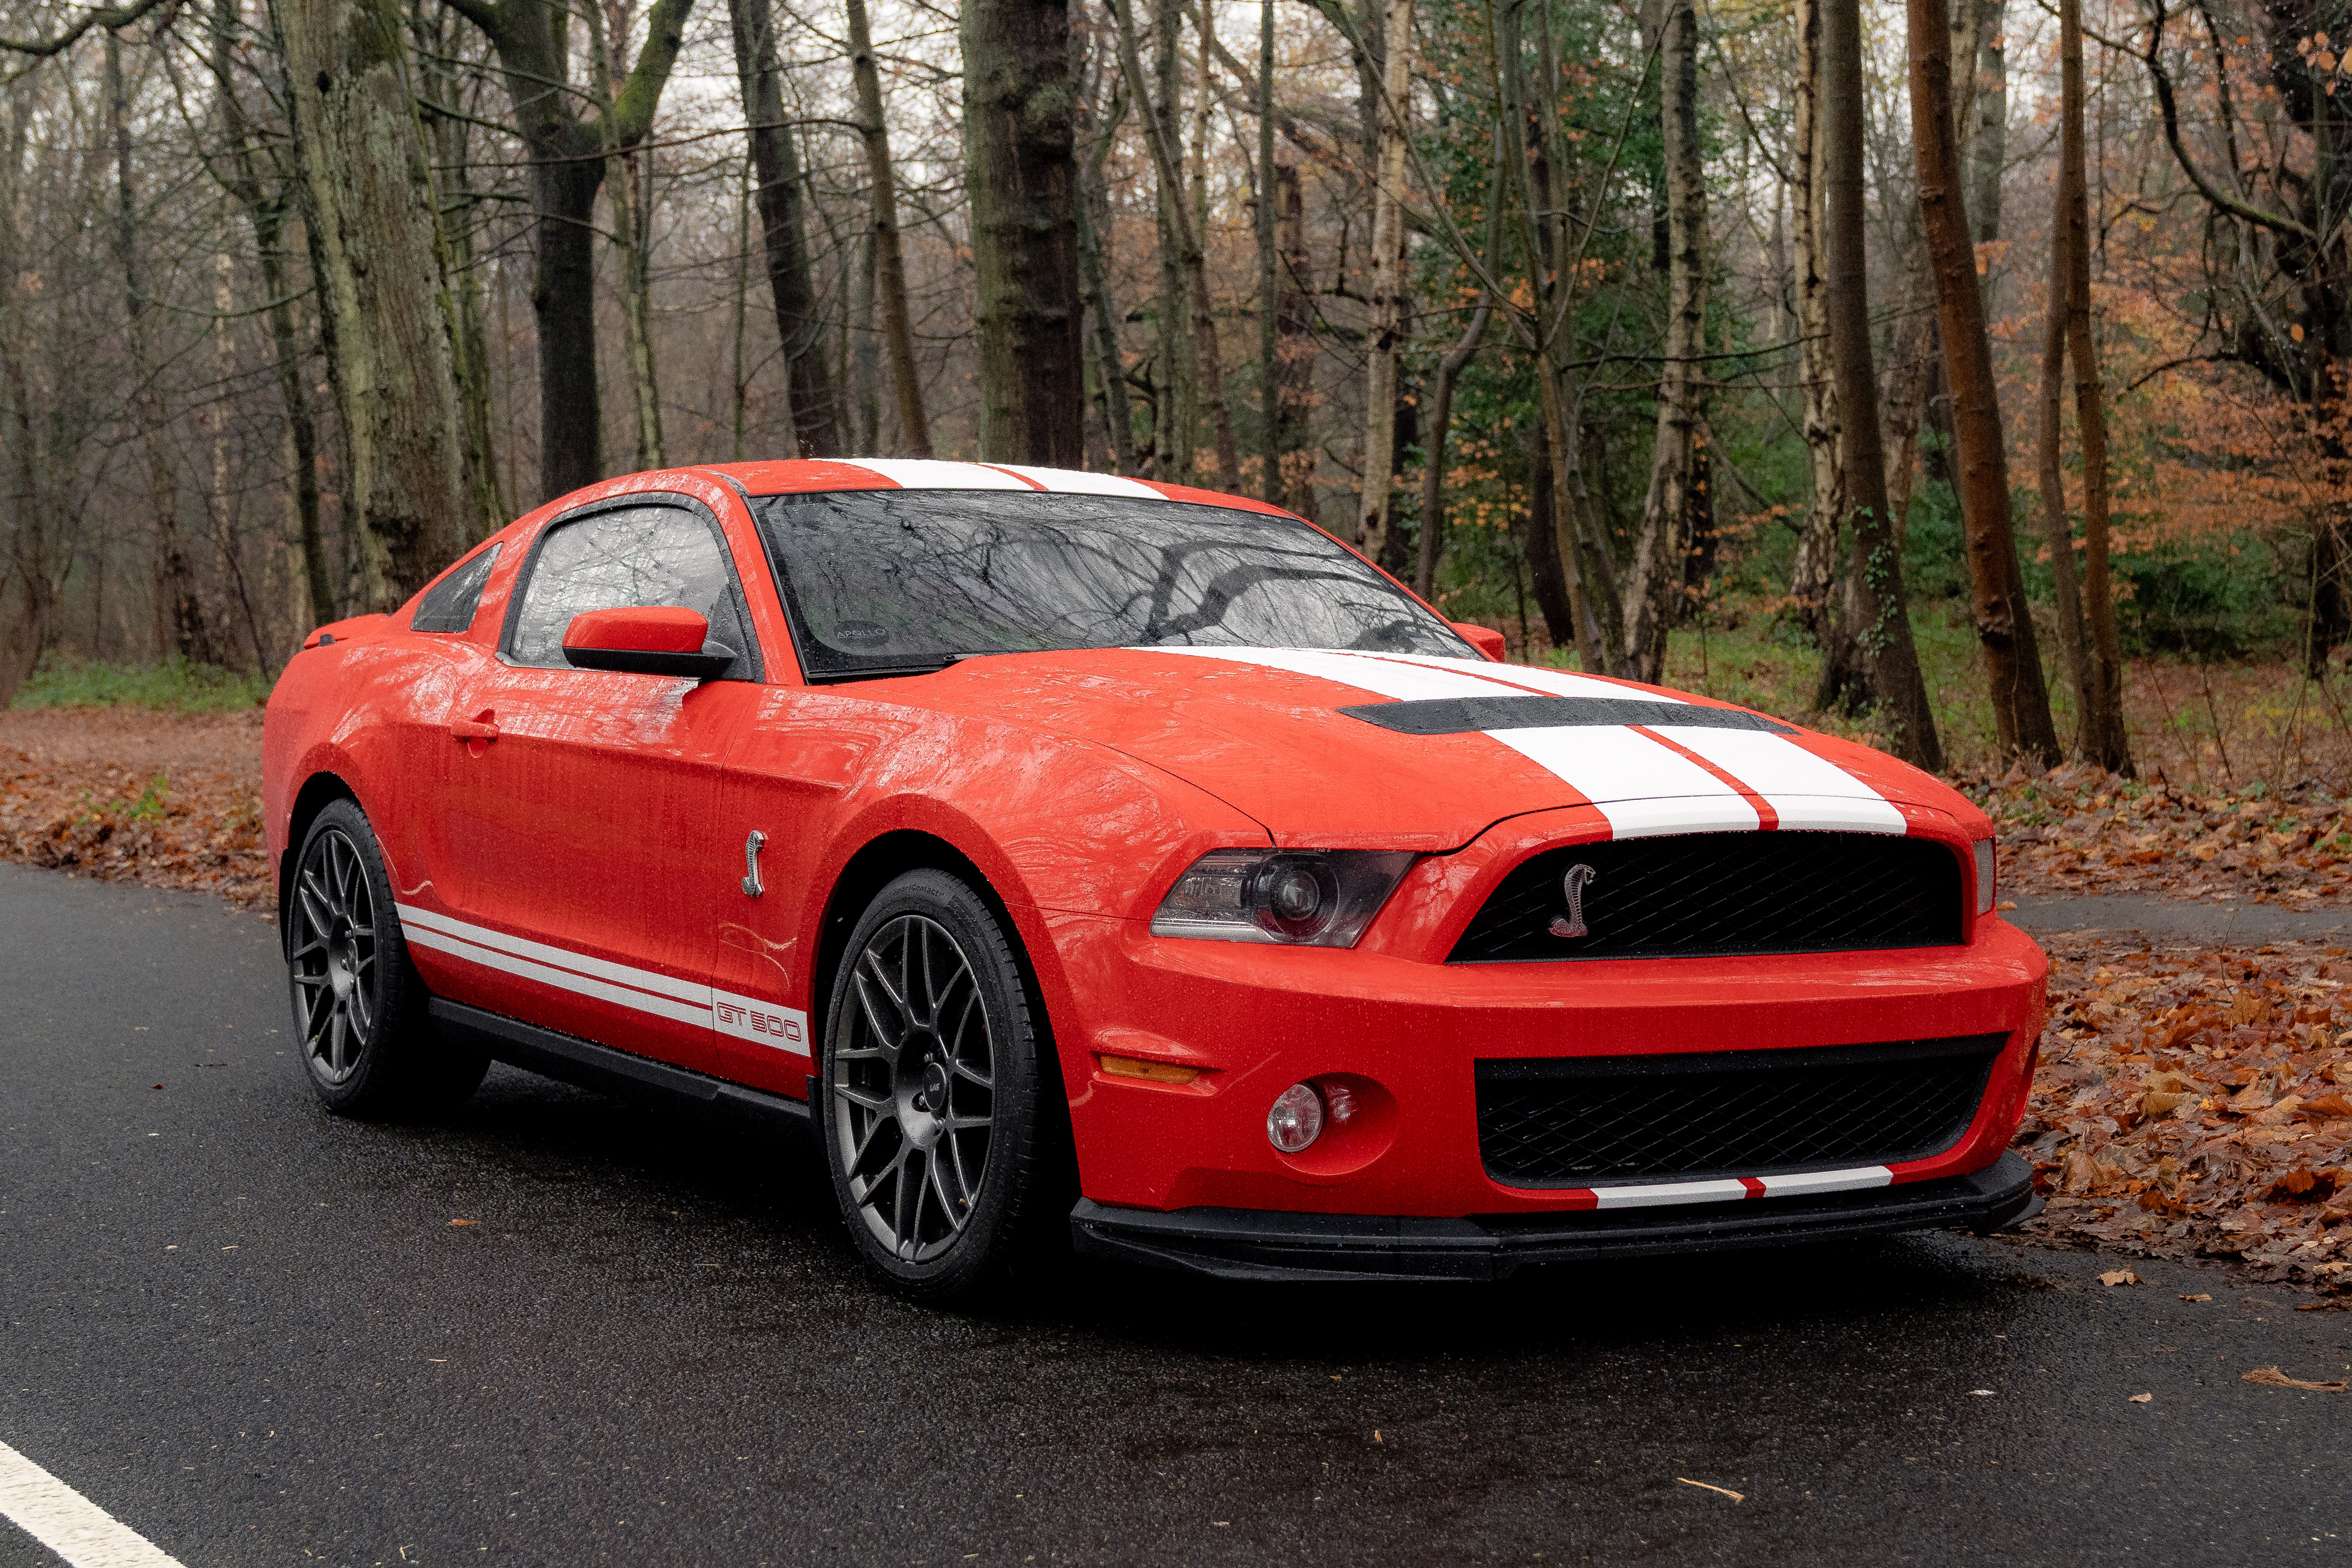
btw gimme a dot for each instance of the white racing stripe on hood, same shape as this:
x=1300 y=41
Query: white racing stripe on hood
x=1550 y=682
x=1382 y=677
x=1807 y=791
x=933 y=474
x=1642 y=788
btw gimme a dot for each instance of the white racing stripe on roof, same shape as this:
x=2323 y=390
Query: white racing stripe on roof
x=1381 y=677
x=1076 y=482
x=1808 y=791
x=933 y=474
x=1642 y=788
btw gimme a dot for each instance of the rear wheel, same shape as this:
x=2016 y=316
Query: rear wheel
x=359 y=1006
x=931 y=1103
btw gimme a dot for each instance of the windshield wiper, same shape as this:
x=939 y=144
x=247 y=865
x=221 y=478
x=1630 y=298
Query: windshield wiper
x=884 y=671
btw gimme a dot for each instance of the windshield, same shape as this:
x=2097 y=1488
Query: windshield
x=885 y=582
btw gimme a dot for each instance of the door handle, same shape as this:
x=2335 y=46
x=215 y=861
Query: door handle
x=482 y=726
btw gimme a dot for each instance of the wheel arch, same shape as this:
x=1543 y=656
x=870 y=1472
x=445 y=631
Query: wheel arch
x=319 y=791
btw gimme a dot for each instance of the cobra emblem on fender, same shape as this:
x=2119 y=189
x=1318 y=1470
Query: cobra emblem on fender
x=1573 y=884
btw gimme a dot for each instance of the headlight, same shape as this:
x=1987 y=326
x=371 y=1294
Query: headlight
x=1984 y=875
x=1307 y=897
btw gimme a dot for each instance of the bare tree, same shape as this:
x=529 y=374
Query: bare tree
x=371 y=197
x=1875 y=571
x=2021 y=702
x=888 y=260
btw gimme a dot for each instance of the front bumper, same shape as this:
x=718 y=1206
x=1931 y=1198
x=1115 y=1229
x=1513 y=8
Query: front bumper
x=1260 y=1245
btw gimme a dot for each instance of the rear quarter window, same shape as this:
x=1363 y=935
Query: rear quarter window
x=449 y=604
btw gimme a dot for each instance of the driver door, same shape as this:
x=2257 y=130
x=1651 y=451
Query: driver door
x=579 y=874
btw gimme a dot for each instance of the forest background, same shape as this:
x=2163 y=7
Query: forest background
x=303 y=296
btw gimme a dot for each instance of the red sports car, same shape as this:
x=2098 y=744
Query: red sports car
x=1089 y=857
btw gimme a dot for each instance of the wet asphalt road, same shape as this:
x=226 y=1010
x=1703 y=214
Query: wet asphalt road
x=252 y=1334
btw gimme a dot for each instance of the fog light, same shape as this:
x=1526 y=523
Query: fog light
x=1297 y=1119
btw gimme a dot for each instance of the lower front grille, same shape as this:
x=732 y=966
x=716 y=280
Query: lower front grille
x=1581 y=1121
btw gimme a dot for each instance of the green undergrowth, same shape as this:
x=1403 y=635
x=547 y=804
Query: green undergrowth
x=178 y=686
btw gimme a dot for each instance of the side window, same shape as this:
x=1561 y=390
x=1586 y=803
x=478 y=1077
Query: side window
x=449 y=604
x=643 y=555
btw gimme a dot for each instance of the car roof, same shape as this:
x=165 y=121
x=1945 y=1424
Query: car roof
x=803 y=475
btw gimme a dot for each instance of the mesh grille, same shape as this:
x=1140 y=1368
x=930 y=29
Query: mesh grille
x=1691 y=895
x=1576 y=1122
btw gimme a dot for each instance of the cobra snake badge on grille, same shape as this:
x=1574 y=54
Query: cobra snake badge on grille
x=1573 y=922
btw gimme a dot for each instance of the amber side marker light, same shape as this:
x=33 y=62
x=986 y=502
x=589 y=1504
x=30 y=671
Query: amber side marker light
x=1157 y=1072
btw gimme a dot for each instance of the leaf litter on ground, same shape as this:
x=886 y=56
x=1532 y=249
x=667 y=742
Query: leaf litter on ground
x=2187 y=1102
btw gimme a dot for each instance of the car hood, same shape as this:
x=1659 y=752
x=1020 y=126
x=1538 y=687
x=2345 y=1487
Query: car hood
x=1379 y=751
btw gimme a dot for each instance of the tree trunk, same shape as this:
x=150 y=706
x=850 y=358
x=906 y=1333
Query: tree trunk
x=1654 y=587
x=181 y=627
x=816 y=416
x=1386 y=288
x=1110 y=363
x=1988 y=148
x=364 y=164
x=865 y=358
x=1812 y=578
x=2057 y=527
x=1542 y=545
x=1176 y=425
x=1022 y=174
x=1293 y=352
x=889 y=259
x=1205 y=319
x=2004 y=625
x=2104 y=739
x=267 y=213
x=1269 y=286
x=631 y=234
x=1875 y=571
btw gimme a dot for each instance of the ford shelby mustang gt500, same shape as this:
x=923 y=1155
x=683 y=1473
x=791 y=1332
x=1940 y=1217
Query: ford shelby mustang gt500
x=1139 y=864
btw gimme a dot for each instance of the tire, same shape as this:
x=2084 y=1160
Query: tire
x=368 y=1047
x=931 y=1106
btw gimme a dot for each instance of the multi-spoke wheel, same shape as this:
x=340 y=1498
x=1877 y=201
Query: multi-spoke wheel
x=359 y=1007
x=932 y=1089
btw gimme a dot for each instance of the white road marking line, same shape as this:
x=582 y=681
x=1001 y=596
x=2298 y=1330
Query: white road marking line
x=69 y=1523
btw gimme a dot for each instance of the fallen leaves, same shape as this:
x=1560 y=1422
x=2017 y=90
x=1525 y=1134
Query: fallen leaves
x=2201 y=1296
x=128 y=795
x=2119 y=1277
x=2190 y=1101
x=2140 y=1399
x=2077 y=829
x=2272 y=1377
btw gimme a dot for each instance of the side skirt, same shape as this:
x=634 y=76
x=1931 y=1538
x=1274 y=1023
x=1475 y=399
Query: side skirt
x=590 y=1066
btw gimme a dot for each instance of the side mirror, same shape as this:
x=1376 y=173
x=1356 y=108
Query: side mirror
x=1486 y=640
x=662 y=639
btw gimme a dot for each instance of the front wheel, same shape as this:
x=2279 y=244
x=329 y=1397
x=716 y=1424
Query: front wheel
x=932 y=1108
x=359 y=1006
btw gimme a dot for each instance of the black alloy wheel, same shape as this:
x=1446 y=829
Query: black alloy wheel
x=932 y=1083
x=359 y=1004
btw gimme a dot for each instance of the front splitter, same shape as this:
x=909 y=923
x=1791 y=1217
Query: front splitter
x=1267 y=1245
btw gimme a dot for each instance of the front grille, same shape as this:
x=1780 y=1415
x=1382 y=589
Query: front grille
x=1692 y=895
x=1575 y=1121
